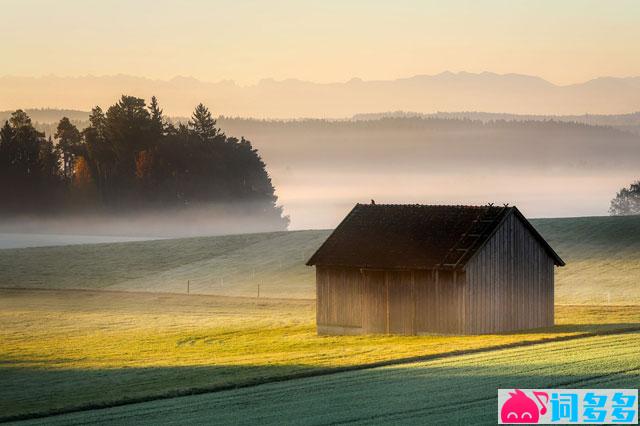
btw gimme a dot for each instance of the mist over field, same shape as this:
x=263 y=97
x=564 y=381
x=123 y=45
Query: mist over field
x=549 y=166
x=549 y=169
x=219 y=219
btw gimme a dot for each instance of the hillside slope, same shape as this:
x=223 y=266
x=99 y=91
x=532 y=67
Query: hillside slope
x=223 y=265
x=602 y=255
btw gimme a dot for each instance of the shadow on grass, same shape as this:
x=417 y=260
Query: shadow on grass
x=35 y=392
x=29 y=392
x=418 y=394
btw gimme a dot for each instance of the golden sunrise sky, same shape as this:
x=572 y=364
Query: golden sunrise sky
x=562 y=41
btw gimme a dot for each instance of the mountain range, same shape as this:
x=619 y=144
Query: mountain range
x=447 y=91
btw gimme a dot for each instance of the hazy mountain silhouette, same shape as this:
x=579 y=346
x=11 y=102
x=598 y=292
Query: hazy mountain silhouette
x=447 y=91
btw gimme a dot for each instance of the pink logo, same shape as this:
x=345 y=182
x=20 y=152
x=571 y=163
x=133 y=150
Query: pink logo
x=519 y=408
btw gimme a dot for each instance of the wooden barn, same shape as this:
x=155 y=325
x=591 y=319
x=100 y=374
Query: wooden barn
x=414 y=269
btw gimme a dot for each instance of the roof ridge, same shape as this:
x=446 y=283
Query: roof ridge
x=478 y=206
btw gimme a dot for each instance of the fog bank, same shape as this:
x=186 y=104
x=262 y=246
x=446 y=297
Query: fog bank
x=171 y=223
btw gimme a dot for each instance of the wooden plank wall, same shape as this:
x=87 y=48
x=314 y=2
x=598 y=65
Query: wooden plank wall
x=439 y=302
x=401 y=300
x=374 y=306
x=339 y=297
x=509 y=283
x=351 y=301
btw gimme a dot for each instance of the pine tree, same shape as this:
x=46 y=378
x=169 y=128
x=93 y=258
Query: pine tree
x=29 y=166
x=96 y=121
x=6 y=142
x=157 y=119
x=203 y=124
x=69 y=139
x=19 y=119
x=49 y=158
x=99 y=156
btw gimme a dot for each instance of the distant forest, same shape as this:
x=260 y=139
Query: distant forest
x=45 y=119
x=322 y=166
x=627 y=122
x=438 y=145
x=440 y=141
x=131 y=158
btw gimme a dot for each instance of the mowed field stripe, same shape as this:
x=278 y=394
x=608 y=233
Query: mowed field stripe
x=447 y=358
x=452 y=390
x=408 y=413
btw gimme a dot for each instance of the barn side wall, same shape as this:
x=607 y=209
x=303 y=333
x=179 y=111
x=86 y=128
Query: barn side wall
x=354 y=301
x=339 y=300
x=510 y=283
x=439 y=302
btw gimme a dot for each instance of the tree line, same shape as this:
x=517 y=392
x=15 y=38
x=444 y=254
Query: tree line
x=131 y=158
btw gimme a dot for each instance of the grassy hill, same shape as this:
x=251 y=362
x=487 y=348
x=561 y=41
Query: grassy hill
x=225 y=265
x=64 y=350
x=602 y=255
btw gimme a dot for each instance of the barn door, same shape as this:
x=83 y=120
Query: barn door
x=400 y=305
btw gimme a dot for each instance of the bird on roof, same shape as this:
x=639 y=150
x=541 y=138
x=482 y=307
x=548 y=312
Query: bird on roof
x=373 y=202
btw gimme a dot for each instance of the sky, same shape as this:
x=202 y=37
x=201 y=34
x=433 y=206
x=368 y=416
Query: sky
x=564 y=42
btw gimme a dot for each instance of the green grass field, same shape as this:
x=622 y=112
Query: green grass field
x=93 y=326
x=61 y=350
x=452 y=390
x=227 y=265
x=602 y=254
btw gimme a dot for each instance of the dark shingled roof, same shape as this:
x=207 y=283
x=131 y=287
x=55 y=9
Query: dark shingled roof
x=392 y=236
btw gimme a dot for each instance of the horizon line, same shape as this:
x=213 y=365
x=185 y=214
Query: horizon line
x=353 y=79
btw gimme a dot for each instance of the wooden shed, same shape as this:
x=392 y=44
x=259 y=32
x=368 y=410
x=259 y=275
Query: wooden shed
x=414 y=269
